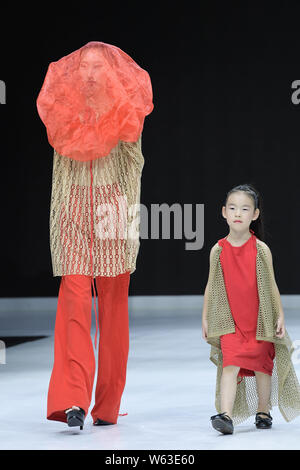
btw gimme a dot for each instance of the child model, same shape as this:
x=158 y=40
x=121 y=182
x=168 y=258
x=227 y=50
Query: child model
x=243 y=321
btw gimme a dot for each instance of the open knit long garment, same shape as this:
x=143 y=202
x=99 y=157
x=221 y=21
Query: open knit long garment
x=94 y=212
x=285 y=386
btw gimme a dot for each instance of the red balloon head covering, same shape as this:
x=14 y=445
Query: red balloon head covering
x=91 y=99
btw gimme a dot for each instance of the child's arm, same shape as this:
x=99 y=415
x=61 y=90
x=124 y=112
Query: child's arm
x=280 y=332
x=204 y=309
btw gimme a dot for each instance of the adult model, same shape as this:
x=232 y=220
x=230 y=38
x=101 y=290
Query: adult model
x=93 y=103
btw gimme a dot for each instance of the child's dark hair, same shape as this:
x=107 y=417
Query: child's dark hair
x=256 y=225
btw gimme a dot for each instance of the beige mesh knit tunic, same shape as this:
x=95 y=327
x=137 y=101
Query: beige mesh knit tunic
x=94 y=212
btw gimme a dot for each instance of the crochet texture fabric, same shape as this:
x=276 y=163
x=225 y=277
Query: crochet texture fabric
x=94 y=213
x=285 y=386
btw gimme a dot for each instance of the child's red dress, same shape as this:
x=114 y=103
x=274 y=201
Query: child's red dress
x=241 y=348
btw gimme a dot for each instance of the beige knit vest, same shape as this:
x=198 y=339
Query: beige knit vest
x=285 y=385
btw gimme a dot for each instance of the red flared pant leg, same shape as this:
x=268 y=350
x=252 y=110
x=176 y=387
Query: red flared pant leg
x=73 y=372
x=113 y=345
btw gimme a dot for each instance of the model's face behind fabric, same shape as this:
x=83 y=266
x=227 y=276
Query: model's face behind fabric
x=91 y=99
x=90 y=71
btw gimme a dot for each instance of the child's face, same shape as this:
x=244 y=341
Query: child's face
x=239 y=211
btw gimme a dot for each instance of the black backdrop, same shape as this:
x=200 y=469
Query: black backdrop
x=223 y=115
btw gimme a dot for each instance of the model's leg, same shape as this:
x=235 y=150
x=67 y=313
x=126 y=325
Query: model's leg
x=113 y=346
x=72 y=377
x=228 y=387
x=263 y=383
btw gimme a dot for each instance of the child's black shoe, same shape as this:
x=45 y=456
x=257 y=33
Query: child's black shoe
x=222 y=423
x=263 y=423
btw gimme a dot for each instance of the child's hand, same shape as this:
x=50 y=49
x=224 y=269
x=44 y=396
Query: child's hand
x=280 y=331
x=204 y=329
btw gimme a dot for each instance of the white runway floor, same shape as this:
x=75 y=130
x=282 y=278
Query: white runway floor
x=169 y=396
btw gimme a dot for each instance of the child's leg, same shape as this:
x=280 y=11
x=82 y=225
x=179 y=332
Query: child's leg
x=263 y=383
x=228 y=388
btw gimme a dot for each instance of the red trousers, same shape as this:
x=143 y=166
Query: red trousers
x=73 y=372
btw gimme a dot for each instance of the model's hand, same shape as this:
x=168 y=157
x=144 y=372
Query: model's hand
x=280 y=331
x=204 y=328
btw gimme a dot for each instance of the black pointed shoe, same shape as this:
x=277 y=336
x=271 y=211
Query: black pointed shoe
x=263 y=423
x=222 y=423
x=76 y=418
x=100 y=422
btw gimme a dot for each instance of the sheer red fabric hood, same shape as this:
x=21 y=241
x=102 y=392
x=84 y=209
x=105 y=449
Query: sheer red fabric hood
x=91 y=99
